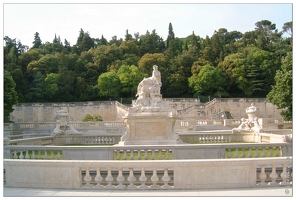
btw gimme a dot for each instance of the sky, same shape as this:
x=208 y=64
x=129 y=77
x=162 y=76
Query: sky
x=65 y=19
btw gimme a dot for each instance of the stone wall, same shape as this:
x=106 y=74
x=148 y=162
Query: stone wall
x=114 y=111
x=237 y=107
x=45 y=112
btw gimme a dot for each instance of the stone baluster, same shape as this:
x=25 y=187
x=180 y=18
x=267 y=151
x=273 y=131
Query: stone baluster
x=131 y=179
x=117 y=154
x=59 y=155
x=124 y=155
x=236 y=153
x=273 y=176
x=159 y=154
x=21 y=155
x=45 y=154
x=229 y=153
x=109 y=179
x=51 y=155
x=139 y=155
x=146 y=155
x=167 y=155
x=262 y=175
x=263 y=153
x=27 y=155
x=270 y=152
x=250 y=152
x=14 y=154
x=243 y=153
x=33 y=155
x=143 y=179
x=257 y=153
x=154 y=179
x=39 y=154
x=222 y=138
x=99 y=179
x=204 y=137
x=132 y=155
x=166 y=178
x=87 y=178
x=120 y=179
x=218 y=138
x=153 y=155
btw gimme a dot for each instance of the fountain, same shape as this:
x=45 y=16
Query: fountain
x=251 y=124
x=150 y=121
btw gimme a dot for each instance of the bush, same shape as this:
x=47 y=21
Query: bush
x=92 y=118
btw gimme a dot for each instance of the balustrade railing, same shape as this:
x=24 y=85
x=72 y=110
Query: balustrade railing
x=156 y=174
x=214 y=138
x=153 y=152
x=254 y=151
x=99 y=140
x=127 y=178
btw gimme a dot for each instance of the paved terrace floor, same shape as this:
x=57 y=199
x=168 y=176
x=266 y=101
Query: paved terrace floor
x=239 y=192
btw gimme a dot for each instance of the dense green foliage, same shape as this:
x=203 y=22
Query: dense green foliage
x=227 y=64
x=92 y=118
x=10 y=95
x=281 y=93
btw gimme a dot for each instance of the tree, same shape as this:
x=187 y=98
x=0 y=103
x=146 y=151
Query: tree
x=130 y=77
x=281 y=93
x=260 y=67
x=128 y=36
x=51 y=85
x=37 y=41
x=171 y=35
x=86 y=43
x=148 y=60
x=151 y=43
x=288 y=28
x=209 y=81
x=109 y=85
x=10 y=95
x=233 y=67
x=39 y=87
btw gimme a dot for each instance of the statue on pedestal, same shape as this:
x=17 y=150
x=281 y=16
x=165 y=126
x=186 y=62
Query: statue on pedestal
x=148 y=93
x=150 y=121
x=62 y=124
x=251 y=124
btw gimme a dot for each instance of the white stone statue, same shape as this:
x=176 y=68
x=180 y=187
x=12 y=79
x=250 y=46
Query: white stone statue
x=251 y=124
x=148 y=92
x=62 y=124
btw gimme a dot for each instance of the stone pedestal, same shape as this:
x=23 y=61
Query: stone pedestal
x=150 y=121
x=150 y=128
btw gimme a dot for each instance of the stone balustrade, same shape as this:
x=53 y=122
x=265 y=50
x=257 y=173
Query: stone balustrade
x=153 y=152
x=52 y=125
x=153 y=174
x=46 y=140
